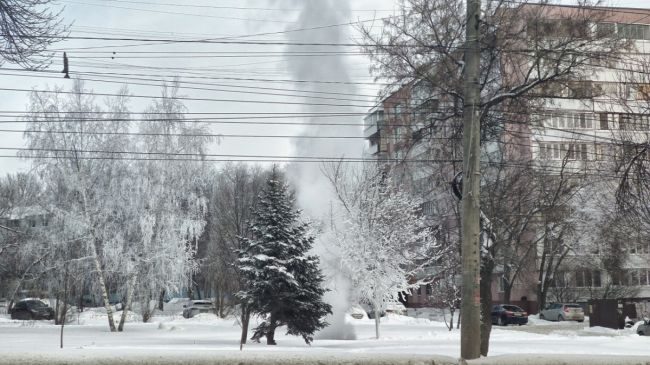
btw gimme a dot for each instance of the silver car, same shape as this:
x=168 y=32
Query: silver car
x=198 y=306
x=563 y=312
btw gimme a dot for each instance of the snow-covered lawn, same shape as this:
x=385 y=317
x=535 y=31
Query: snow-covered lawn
x=206 y=338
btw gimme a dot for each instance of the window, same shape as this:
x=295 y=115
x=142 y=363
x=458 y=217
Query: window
x=597 y=279
x=580 y=89
x=502 y=284
x=605 y=89
x=429 y=208
x=398 y=134
x=633 y=31
x=633 y=122
x=560 y=279
x=397 y=109
x=643 y=92
x=560 y=151
x=624 y=122
x=580 y=279
x=605 y=29
x=628 y=91
x=428 y=289
x=587 y=278
x=600 y=151
x=604 y=123
x=569 y=120
x=633 y=277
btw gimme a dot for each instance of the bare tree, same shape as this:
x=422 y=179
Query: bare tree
x=28 y=28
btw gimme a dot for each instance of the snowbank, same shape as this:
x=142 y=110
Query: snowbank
x=229 y=358
x=212 y=340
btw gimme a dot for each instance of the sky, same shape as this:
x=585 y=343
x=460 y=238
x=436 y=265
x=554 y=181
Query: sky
x=198 y=19
x=268 y=69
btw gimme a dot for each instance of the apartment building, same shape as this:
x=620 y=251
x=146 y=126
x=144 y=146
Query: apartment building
x=581 y=128
x=575 y=127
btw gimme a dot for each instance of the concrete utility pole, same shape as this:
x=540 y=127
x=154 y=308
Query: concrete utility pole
x=470 y=330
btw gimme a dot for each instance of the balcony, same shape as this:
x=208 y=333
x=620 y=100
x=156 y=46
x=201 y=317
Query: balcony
x=370 y=130
x=373 y=122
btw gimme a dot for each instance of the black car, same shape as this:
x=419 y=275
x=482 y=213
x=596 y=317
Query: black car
x=505 y=314
x=28 y=309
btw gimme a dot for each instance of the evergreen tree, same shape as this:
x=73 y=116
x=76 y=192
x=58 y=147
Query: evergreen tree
x=282 y=282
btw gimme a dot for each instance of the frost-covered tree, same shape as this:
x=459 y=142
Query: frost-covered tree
x=76 y=161
x=163 y=205
x=135 y=219
x=283 y=283
x=382 y=235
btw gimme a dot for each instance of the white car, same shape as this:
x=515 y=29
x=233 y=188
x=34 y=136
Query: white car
x=563 y=312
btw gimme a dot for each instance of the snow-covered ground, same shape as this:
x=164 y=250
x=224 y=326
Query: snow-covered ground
x=207 y=337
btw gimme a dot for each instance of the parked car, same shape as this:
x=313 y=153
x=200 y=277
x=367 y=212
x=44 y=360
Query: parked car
x=394 y=306
x=357 y=312
x=391 y=306
x=198 y=306
x=31 y=308
x=644 y=328
x=505 y=314
x=563 y=312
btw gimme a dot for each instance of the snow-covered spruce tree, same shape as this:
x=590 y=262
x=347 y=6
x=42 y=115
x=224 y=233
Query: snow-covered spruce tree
x=283 y=283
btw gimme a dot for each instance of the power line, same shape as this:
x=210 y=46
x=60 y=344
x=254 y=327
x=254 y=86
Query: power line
x=189 y=5
x=212 y=89
x=177 y=13
x=210 y=135
x=188 y=98
x=199 y=156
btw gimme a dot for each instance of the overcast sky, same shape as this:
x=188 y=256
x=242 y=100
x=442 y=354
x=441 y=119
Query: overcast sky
x=202 y=19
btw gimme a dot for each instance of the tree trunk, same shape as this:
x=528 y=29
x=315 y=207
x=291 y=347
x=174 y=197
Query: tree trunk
x=95 y=254
x=57 y=310
x=375 y=308
x=487 y=268
x=507 y=293
x=65 y=306
x=161 y=300
x=270 y=335
x=451 y=319
x=245 y=319
x=102 y=287
x=129 y=300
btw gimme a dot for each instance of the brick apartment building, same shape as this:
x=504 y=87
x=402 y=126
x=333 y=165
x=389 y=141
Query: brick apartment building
x=575 y=125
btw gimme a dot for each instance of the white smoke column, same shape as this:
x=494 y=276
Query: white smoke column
x=314 y=193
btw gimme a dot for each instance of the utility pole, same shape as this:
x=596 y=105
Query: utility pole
x=470 y=330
